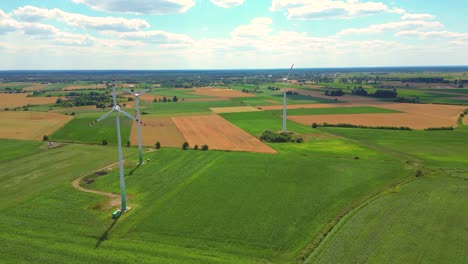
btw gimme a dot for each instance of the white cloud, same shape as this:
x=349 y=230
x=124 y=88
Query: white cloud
x=38 y=29
x=257 y=28
x=432 y=34
x=140 y=6
x=156 y=37
x=417 y=17
x=402 y=25
x=34 y=14
x=323 y=9
x=3 y=14
x=227 y=3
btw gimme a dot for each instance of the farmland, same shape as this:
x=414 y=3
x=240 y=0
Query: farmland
x=20 y=100
x=343 y=195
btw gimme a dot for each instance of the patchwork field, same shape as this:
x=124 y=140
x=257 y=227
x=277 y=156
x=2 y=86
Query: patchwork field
x=21 y=99
x=417 y=116
x=35 y=87
x=30 y=125
x=83 y=87
x=221 y=92
x=161 y=129
x=218 y=133
x=236 y=109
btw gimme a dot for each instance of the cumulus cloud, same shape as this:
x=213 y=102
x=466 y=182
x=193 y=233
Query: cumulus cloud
x=402 y=25
x=140 y=6
x=38 y=29
x=156 y=37
x=417 y=17
x=258 y=27
x=34 y=14
x=3 y=14
x=227 y=3
x=432 y=34
x=323 y=9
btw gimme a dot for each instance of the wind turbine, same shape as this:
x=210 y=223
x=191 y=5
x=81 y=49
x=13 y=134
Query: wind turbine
x=284 y=98
x=137 y=108
x=118 y=111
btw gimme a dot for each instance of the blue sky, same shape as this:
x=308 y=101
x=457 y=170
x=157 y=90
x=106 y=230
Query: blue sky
x=227 y=34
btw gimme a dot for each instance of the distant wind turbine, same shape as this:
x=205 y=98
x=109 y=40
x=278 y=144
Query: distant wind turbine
x=284 y=98
x=138 y=119
x=118 y=111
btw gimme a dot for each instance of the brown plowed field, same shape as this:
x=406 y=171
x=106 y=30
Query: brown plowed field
x=234 y=109
x=81 y=87
x=157 y=129
x=218 y=133
x=35 y=87
x=29 y=125
x=221 y=92
x=146 y=97
x=21 y=99
x=416 y=116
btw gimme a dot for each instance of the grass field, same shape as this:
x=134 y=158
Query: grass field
x=78 y=129
x=423 y=221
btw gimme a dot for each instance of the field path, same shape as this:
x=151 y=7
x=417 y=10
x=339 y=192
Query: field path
x=115 y=197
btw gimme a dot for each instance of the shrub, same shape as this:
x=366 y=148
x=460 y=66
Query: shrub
x=195 y=147
x=185 y=146
x=280 y=137
x=204 y=147
x=299 y=140
x=45 y=138
x=315 y=125
x=438 y=128
x=128 y=144
x=157 y=145
x=104 y=142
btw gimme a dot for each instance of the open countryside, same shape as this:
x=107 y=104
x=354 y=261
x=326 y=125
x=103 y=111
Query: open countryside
x=233 y=131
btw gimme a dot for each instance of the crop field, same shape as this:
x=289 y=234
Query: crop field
x=35 y=87
x=78 y=129
x=83 y=87
x=218 y=133
x=336 y=110
x=161 y=129
x=417 y=116
x=22 y=99
x=344 y=195
x=30 y=125
x=221 y=92
x=426 y=216
x=236 y=109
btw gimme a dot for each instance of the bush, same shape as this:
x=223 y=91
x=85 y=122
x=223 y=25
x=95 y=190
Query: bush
x=157 y=145
x=280 y=137
x=204 y=147
x=438 y=128
x=128 y=144
x=45 y=138
x=368 y=127
x=104 y=142
x=185 y=146
x=195 y=147
x=315 y=125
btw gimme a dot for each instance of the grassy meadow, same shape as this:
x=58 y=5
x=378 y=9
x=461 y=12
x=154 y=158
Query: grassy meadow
x=78 y=130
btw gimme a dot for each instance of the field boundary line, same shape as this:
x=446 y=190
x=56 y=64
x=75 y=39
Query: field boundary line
x=310 y=250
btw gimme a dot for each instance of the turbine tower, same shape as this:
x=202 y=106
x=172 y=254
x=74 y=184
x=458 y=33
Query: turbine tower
x=118 y=111
x=137 y=109
x=284 y=98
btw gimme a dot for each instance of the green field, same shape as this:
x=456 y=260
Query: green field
x=423 y=221
x=78 y=129
x=193 y=204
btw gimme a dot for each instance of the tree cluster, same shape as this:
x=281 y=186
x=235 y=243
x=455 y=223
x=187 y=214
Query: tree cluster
x=280 y=137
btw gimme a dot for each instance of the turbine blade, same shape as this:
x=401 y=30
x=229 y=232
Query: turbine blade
x=127 y=91
x=127 y=115
x=106 y=115
x=144 y=91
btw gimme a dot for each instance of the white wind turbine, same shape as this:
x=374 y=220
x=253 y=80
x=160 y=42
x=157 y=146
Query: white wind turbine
x=138 y=119
x=118 y=111
x=284 y=98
